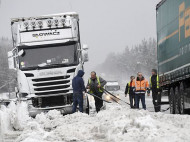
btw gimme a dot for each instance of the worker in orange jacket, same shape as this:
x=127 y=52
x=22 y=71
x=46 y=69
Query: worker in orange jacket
x=141 y=86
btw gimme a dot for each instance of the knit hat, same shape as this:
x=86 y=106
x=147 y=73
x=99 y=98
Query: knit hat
x=154 y=70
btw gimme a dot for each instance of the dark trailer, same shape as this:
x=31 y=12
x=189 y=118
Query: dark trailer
x=173 y=46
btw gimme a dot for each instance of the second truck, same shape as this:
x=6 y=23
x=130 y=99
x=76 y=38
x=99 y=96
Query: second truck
x=173 y=36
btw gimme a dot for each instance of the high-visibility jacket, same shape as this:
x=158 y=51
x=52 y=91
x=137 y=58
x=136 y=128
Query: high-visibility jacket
x=98 y=79
x=157 y=82
x=128 y=87
x=130 y=84
x=141 y=86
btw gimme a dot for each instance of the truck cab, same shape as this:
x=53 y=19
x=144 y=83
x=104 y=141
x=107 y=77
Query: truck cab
x=47 y=54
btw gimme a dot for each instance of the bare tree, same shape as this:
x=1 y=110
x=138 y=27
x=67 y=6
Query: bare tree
x=141 y=57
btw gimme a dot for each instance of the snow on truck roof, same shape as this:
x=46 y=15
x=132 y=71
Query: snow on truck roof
x=159 y=4
x=45 y=16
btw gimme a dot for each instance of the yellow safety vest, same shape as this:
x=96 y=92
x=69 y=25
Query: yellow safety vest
x=98 y=79
x=157 y=80
x=128 y=87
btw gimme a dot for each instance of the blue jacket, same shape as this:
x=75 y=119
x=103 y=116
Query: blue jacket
x=78 y=83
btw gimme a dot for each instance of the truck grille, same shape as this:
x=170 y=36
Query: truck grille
x=52 y=88
x=52 y=85
x=51 y=78
x=52 y=101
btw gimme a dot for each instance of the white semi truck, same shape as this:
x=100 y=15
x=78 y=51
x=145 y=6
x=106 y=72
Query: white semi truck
x=47 y=54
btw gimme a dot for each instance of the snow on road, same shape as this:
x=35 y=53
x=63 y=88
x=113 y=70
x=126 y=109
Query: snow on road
x=115 y=124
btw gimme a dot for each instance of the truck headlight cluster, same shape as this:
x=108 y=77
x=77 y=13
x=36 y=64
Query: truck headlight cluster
x=55 y=22
x=49 y=23
x=33 y=24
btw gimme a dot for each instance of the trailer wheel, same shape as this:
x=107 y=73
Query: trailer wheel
x=181 y=100
x=177 y=100
x=172 y=101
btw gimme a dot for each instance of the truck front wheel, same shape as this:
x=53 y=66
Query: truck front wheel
x=172 y=100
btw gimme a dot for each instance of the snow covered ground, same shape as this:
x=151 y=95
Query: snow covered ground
x=117 y=123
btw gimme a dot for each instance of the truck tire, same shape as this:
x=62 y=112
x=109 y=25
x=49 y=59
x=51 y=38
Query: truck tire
x=172 y=100
x=177 y=100
x=181 y=101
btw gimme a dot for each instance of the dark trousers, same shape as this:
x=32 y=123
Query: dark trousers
x=138 y=97
x=156 y=99
x=77 y=100
x=132 y=100
x=98 y=102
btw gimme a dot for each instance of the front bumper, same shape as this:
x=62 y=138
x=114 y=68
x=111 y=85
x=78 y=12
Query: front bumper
x=64 y=109
x=67 y=109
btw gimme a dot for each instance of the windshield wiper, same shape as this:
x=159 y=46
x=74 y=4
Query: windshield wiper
x=54 y=65
x=30 y=68
x=44 y=65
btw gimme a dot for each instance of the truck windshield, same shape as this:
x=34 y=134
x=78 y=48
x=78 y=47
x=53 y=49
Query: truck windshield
x=112 y=88
x=49 y=56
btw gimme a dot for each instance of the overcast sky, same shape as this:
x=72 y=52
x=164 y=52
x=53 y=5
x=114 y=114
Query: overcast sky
x=105 y=25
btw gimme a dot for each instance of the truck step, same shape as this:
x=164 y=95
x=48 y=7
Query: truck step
x=164 y=103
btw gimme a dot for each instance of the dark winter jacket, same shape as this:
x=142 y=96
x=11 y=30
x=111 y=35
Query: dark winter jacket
x=130 y=89
x=154 y=82
x=78 y=83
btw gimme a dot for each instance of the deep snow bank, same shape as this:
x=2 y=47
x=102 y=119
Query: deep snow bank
x=13 y=117
x=116 y=124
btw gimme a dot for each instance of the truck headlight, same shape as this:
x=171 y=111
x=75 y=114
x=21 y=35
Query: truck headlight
x=29 y=102
x=63 y=21
x=49 y=23
x=40 y=23
x=22 y=95
x=56 y=22
x=33 y=24
x=26 y=24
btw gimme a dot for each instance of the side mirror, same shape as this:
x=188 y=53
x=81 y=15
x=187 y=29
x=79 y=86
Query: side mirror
x=11 y=60
x=85 y=47
x=21 y=52
x=85 y=56
x=16 y=89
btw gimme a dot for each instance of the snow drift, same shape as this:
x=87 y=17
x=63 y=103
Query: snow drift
x=14 y=117
x=116 y=124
